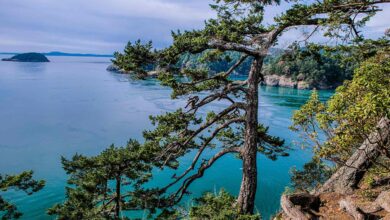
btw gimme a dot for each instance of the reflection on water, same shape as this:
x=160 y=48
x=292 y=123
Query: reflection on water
x=73 y=105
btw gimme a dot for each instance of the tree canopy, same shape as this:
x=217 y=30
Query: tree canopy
x=101 y=186
x=24 y=182
x=238 y=27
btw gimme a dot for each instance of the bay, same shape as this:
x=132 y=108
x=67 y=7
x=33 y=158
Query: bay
x=73 y=105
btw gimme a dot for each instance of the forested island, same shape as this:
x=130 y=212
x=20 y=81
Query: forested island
x=348 y=176
x=28 y=57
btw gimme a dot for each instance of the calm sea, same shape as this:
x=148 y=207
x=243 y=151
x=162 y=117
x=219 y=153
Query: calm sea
x=73 y=105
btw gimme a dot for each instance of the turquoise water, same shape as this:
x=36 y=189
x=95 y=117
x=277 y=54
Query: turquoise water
x=73 y=105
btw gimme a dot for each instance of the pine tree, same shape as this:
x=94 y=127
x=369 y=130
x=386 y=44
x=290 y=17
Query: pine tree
x=101 y=186
x=238 y=27
x=23 y=182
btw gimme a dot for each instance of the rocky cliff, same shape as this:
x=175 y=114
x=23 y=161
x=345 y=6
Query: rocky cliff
x=299 y=83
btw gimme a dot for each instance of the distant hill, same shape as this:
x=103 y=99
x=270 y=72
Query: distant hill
x=57 y=53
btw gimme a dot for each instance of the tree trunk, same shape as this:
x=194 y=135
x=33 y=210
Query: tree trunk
x=347 y=177
x=246 y=198
x=118 y=197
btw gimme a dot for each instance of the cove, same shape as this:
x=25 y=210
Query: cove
x=73 y=105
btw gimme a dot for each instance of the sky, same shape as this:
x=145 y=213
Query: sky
x=105 y=26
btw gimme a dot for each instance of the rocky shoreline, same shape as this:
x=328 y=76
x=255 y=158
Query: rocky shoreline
x=116 y=69
x=284 y=81
x=269 y=80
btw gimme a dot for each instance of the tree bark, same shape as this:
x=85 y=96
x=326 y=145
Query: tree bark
x=246 y=198
x=118 y=197
x=347 y=177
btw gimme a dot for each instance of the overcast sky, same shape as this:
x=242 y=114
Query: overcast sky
x=104 y=26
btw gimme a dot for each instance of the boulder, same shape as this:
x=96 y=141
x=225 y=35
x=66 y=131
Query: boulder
x=300 y=206
x=301 y=77
x=116 y=69
x=383 y=200
x=349 y=206
x=285 y=81
x=153 y=74
x=271 y=80
x=113 y=68
x=304 y=85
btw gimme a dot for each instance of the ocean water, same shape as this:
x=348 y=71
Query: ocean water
x=73 y=105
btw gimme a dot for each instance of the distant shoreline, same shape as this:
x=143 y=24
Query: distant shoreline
x=58 y=54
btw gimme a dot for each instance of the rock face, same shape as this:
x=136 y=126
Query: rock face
x=271 y=80
x=282 y=81
x=383 y=200
x=299 y=83
x=28 y=57
x=287 y=82
x=304 y=85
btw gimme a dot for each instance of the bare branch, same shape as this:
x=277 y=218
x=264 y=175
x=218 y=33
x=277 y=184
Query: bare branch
x=202 y=148
x=178 y=146
x=224 y=45
x=207 y=164
x=237 y=64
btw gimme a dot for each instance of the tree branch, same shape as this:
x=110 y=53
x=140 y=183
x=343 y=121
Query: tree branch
x=183 y=189
x=199 y=130
x=203 y=147
x=224 y=45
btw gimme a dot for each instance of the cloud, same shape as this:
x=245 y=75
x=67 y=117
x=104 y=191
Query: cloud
x=94 y=25
x=101 y=26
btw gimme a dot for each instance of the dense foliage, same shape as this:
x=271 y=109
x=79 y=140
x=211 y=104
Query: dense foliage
x=219 y=207
x=312 y=66
x=101 y=186
x=319 y=66
x=312 y=175
x=337 y=128
x=23 y=182
x=135 y=57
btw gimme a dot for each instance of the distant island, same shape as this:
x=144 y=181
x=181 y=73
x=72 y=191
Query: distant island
x=28 y=57
x=58 y=53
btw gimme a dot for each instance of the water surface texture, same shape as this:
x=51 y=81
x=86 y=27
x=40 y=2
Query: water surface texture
x=72 y=104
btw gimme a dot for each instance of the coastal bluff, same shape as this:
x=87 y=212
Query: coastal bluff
x=28 y=57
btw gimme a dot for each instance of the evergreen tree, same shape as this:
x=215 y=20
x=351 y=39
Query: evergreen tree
x=24 y=182
x=101 y=186
x=238 y=27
